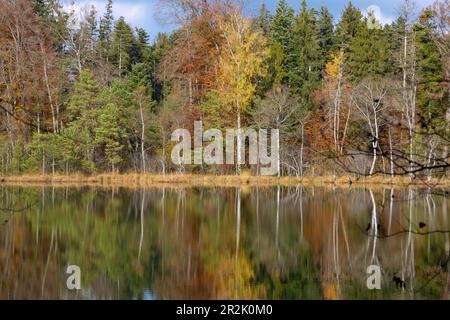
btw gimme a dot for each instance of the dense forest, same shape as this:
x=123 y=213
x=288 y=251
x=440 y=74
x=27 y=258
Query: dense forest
x=79 y=93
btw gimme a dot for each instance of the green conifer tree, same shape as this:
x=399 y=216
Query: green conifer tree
x=349 y=25
x=83 y=109
x=432 y=91
x=368 y=53
x=325 y=29
x=280 y=38
x=109 y=134
x=304 y=66
x=125 y=49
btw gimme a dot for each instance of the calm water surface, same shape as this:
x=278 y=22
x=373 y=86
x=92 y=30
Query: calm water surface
x=223 y=243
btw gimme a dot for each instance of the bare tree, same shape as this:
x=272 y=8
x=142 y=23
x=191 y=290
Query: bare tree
x=279 y=110
x=142 y=100
x=27 y=73
x=369 y=98
x=80 y=38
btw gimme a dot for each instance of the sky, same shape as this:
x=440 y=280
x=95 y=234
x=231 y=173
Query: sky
x=144 y=13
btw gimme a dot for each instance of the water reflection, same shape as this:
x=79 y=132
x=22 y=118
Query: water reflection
x=235 y=243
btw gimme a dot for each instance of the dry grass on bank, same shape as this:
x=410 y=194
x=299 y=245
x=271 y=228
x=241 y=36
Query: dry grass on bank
x=135 y=180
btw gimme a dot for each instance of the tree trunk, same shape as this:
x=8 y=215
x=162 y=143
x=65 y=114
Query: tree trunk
x=391 y=155
x=374 y=161
x=142 y=138
x=301 y=150
x=43 y=162
x=239 y=141
x=336 y=119
x=278 y=157
x=49 y=93
x=238 y=219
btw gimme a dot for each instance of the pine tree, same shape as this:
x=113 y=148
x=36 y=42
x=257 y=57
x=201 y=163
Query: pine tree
x=159 y=50
x=143 y=38
x=105 y=32
x=280 y=38
x=125 y=50
x=368 y=53
x=432 y=91
x=282 y=26
x=106 y=23
x=395 y=33
x=305 y=67
x=348 y=26
x=83 y=108
x=325 y=29
x=140 y=76
x=109 y=133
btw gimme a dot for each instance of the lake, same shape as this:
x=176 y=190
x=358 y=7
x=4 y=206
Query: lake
x=224 y=243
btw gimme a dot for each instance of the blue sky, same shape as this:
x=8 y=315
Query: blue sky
x=144 y=13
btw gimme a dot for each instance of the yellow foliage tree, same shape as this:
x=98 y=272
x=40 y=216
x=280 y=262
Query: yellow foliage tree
x=243 y=59
x=334 y=75
x=333 y=68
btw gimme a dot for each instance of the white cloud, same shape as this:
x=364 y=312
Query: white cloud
x=379 y=15
x=135 y=12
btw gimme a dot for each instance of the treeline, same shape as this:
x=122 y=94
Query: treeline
x=82 y=94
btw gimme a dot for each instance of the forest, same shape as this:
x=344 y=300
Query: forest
x=87 y=93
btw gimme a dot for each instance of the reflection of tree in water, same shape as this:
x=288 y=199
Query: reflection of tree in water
x=276 y=243
x=423 y=246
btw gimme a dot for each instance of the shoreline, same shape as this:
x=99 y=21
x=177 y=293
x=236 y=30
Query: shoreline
x=137 y=180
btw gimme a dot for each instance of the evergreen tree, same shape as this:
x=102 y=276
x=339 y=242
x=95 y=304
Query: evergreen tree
x=159 y=50
x=395 y=33
x=282 y=25
x=368 y=53
x=143 y=38
x=106 y=23
x=432 y=91
x=325 y=29
x=349 y=25
x=280 y=40
x=305 y=67
x=125 y=49
x=140 y=76
x=105 y=31
x=83 y=108
x=109 y=134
